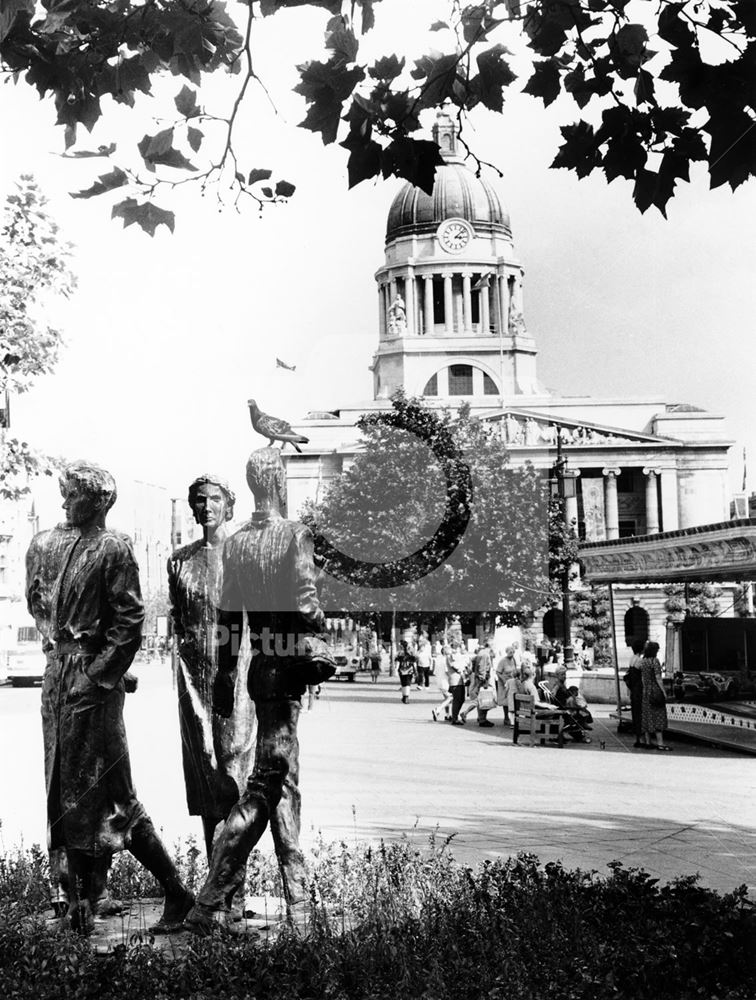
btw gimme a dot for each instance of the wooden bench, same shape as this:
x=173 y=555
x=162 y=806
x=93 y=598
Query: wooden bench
x=540 y=724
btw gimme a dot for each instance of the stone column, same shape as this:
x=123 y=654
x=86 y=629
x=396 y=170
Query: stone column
x=410 y=303
x=611 y=506
x=485 y=318
x=504 y=304
x=467 y=302
x=381 y=311
x=448 y=305
x=428 y=327
x=652 y=501
x=392 y=290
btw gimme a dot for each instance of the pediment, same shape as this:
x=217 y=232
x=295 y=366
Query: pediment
x=532 y=428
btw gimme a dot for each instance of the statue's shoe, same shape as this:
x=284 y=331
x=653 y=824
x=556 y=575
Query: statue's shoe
x=177 y=906
x=201 y=920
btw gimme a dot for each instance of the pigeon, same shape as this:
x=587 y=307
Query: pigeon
x=273 y=428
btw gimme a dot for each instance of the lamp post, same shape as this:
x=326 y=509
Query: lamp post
x=565 y=489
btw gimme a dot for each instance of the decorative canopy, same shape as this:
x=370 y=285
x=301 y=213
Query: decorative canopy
x=711 y=552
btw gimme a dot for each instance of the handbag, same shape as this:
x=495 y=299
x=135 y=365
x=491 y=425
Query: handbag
x=656 y=697
x=486 y=698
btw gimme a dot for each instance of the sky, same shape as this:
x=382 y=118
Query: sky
x=167 y=338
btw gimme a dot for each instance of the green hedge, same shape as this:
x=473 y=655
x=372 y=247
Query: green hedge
x=398 y=922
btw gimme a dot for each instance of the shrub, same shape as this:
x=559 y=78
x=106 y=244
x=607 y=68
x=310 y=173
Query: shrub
x=394 y=920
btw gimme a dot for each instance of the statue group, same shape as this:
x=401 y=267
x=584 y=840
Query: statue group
x=247 y=622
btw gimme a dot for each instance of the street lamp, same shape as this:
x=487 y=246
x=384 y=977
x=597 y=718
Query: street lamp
x=565 y=489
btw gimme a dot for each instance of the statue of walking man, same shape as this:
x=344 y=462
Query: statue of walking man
x=217 y=752
x=269 y=575
x=95 y=614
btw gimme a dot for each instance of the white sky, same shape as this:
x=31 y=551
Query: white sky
x=167 y=338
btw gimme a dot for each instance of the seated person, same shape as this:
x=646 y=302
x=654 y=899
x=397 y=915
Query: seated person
x=574 y=726
x=577 y=704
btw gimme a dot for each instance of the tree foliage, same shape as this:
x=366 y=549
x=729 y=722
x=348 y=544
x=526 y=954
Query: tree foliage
x=34 y=264
x=646 y=91
x=393 y=497
x=592 y=622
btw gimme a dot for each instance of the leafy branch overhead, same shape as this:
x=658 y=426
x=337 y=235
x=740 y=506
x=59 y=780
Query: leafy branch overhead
x=643 y=90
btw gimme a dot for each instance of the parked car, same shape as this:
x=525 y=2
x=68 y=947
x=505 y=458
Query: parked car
x=347 y=662
x=25 y=665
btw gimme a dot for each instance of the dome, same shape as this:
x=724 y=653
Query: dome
x=458 y=194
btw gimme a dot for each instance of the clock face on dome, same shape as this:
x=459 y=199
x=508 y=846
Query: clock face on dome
x=454 y=235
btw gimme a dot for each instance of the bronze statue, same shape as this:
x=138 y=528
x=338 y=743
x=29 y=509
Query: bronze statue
x=95 y=626
x=217 y=752
x=269 y=575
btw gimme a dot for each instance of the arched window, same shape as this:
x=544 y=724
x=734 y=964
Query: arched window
x=489 y=386
x=460 y=380
x=636 y=625
x=431 y=386
x=553 y=624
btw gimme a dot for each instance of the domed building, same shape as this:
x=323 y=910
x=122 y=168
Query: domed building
x=450 y=291
x=451 y=328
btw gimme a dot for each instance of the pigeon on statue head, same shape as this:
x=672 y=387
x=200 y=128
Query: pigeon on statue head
x=273 y=428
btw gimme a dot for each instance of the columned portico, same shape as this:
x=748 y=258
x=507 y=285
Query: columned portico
x=611 y=505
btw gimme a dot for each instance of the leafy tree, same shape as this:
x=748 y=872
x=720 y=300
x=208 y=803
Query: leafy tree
x=654 y=90
x=34 y=263
x=394 y=497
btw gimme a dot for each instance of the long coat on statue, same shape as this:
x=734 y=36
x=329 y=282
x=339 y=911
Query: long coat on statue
x=95 y=628
x=218 y=753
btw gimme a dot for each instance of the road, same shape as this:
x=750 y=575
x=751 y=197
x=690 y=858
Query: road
x=372 y=768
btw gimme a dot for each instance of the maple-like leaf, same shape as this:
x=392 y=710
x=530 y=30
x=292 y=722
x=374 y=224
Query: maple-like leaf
x=105 y=182
x=325 y=86
x=545 y=81
x=284 y=189
x=259 y=174
x=341 y=41
x=186 y=102
x=414 y=159
x=579 y=150
x=494 y=74
x=438 y=73
x=386 y=68
x=146 y=215
x=194 y=137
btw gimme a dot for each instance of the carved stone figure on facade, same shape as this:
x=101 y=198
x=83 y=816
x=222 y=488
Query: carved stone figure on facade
x=96 y=615
x=217 y=752
x=269 y=577
x=397 y=316
x=517 y=326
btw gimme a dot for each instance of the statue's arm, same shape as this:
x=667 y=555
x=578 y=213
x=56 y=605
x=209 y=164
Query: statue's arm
x=306 y=599
x=123 y=596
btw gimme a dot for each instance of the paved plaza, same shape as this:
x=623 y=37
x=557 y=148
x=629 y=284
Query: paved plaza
x=374 y=768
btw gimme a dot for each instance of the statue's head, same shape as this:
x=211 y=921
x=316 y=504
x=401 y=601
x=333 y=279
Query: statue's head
x=266 y=477
x=88 y=492
x=212 y=501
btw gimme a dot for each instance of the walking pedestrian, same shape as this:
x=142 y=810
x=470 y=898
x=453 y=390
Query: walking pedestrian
x=442 y=681
x=375 y=664
x=457 y=667
x=406 y=669
x=506 y=669
x=479 y=680
x=424 y=662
